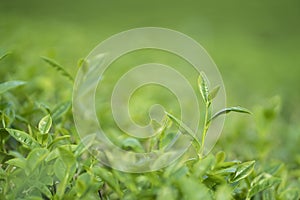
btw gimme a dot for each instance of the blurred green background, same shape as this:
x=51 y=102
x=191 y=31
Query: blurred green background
x=255 y=44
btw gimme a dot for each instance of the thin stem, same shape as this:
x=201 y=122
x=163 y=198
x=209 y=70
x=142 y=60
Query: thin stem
x=205 y=128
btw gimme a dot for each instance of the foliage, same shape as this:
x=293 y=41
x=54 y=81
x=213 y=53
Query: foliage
x=43 y=158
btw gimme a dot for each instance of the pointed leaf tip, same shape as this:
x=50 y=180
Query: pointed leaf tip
x=203 y=86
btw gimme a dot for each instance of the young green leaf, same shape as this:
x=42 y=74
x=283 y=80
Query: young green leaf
x=203 y=87
x=45 y=124
x=57 y=139
x=18 y=162
x=23 y=138
x=231 y=109
x=10 y=85
x=58 y=67
x=8 y=116
x=243 y=170
x=262 y=183
x=220 y=157
x=60 y=110
x=186 y=129
x=213 y=93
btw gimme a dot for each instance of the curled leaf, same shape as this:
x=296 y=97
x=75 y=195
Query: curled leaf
x=231 y=109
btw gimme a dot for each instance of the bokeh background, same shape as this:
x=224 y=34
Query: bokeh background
x=255 y=44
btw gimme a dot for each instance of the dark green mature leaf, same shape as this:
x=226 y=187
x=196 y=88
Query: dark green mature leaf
x=58 y=67
x=243 y=170
x=231 y=109
x=4 y=55
x=60 y=110
x=203 y=87
x=45 y=124
x=23 y=137
x=10 y=85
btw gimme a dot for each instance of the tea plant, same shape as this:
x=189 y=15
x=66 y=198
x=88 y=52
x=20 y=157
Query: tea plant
x=43 y=158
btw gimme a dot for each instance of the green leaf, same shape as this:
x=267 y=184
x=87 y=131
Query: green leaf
x=45 y=124
x=58 y=67
x=8 y=116
x=59 y=169
x=43 y=189
x=108 y=178
x=203 y=166
x=186 y=129
x=23 y=138
x=85 y=143
x=220 y=157
x=167 y=140
x=60 y=110
x=67 y=157
x=34 y=158
x=243 y=170
x=261 y=183
x=57 y=139
x=4 y=55
x=213 y=93
x=166 y=192
x=223 y=193
x=231 y=109
x=290 y=193
x=10 y=85
x=52 y=155
x=132 y=144
x=193 y=189
x=18 y=162
x=203 y=87
x=82 y=184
